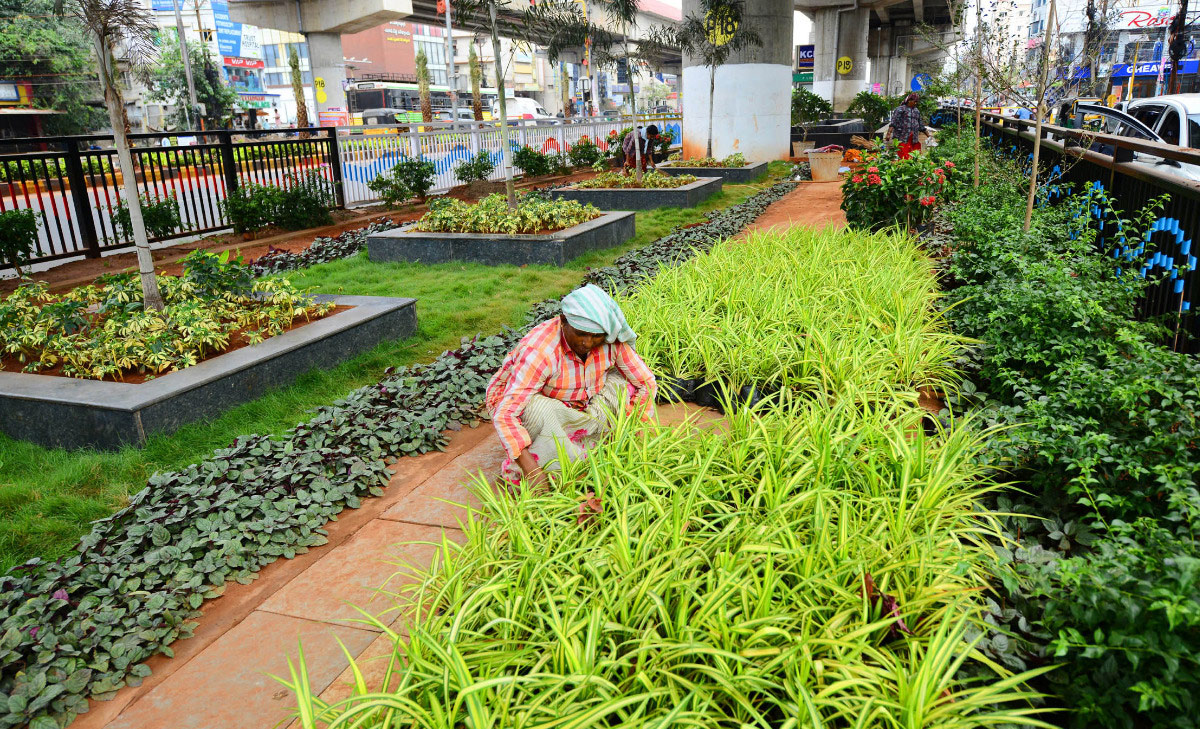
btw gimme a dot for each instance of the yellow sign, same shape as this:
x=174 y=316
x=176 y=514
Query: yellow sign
x=319 y=90
x=719 y=26
x=844 y=65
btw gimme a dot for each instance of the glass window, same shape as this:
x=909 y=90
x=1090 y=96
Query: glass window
x=1168 y=128
x=1147 y=114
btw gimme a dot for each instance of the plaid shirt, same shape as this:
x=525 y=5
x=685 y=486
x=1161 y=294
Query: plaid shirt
x=906 y=124
x=543 y=363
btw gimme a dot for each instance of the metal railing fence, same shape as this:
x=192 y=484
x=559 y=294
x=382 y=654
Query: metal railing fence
x=75 y=184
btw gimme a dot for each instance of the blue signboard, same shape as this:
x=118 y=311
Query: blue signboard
x=1150 y=68
x=805 y=56
x=229 y=33
x=164 y=5
x=920 y=81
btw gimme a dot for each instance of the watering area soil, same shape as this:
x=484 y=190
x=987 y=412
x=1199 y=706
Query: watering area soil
x=221 y=677
x=237 y=340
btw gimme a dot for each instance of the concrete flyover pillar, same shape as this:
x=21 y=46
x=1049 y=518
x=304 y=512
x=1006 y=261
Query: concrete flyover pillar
x=840 y=53
x=752 y=109
x=329 y=72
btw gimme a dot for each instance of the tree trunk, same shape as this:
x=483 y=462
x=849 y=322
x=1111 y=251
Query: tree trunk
x=505 y=153
x=1041 y=110
x=423 y=87
x=978 y=82
x=151 y=296
x=476 y=77
x=712 y=91
x=298 y=89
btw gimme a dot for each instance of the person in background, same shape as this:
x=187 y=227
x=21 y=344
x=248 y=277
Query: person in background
x=905 y=126
x=563 y=381
x=647 y=146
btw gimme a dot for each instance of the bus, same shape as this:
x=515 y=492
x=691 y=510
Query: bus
x=399 y=91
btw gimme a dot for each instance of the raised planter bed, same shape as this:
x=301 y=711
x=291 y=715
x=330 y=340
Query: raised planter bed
x=640 y=198
x=552 y=249
x=64 y=412
x=732 y=175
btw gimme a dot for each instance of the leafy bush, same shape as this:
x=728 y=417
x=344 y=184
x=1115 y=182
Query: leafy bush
x=875 y=109
x=477 y=169
x=18 y=237
x=584 y=153
x=532 y=162
x=734 y=160
x=808 y=107
x=650 y=179
x=408 y=178
x=303 y=202
x=102 y=331
x=894 y=191
x=534 y=214
x=322 y=250
x=267 y=498
x=160 y=215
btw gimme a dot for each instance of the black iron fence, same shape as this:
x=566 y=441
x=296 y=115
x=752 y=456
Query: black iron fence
x=75 y=184
x=1132 y=172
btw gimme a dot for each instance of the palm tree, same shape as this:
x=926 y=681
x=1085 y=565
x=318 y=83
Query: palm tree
x=298 y=88
x=423 y=87
x=476 y=80
x=712 y=36
x=110 y=23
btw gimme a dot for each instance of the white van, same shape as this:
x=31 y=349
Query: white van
x=519 y=107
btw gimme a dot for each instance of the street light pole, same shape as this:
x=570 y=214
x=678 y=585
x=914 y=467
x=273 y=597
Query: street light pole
x=187 y=63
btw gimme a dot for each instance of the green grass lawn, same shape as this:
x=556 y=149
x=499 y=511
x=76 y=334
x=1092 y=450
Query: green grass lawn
x=47 y=497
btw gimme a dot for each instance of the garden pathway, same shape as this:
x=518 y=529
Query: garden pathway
x=811 y=204
x=221 y=677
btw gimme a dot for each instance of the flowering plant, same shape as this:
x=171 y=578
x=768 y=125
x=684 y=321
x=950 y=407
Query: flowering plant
x=893 y=191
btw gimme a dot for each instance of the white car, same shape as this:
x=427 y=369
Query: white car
x=519 y=107
x=1174 y=118
x=1163 y=119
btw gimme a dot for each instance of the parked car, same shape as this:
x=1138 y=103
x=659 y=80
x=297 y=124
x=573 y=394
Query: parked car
x=1113 y=121
x=519 y=107
x=1176 y=118
x=464 y=114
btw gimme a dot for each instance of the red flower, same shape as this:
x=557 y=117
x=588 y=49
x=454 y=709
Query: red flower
x=907 y=197
x=874 y=180
x=856 y=179
x=927 y=201
x=949 y=165
x=872 y=169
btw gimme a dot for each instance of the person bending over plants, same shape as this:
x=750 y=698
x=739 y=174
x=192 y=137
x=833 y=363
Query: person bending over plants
x=647 y=147
x=563 y=381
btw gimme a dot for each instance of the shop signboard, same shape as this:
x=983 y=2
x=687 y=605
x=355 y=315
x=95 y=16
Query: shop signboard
x=1150 y=68
x=235 y=40
x=805 y=57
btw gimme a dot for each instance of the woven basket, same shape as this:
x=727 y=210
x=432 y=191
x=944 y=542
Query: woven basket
x=825 y=165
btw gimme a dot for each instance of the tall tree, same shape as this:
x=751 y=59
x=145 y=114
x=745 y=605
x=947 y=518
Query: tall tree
x=113 y=23
x=54 y=55
x=298 y=88
x=552 y=24
x=712 y=35
x=476 y=80
x=423 y=87
x=1040 y=112
x=168 y=84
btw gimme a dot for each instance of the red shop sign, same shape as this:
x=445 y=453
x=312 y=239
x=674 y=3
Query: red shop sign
x=231 y=62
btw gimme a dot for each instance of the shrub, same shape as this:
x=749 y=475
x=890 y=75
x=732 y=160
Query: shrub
x=874 y=109
x=651 y=179
x=305 y=202
x=477 y=169
x=534 y=213
x=584 y=153
x=532 y=162
x=250 y=207
x=408 y=178
x=159 y=214
x=808 y=107
x=18 y=237
x=734 y=160
x=893 y=191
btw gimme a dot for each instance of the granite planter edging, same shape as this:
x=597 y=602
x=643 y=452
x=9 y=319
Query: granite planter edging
x=67 y=412
x=732 y=175
x=642 y=198
x=553 y=249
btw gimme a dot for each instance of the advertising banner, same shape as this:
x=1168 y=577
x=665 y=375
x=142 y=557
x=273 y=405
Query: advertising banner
x=805 y=55
x=234 y=39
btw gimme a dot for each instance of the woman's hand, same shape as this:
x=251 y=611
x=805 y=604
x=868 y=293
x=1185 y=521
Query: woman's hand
x=534 y=474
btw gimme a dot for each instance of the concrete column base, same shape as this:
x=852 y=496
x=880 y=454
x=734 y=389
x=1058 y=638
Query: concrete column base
x=752 y=111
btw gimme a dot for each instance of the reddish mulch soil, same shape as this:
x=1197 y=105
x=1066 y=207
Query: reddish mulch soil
x=237 y=340
x=811 y=204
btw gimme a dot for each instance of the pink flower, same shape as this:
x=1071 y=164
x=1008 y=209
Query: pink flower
x=856 y=179
x=874 y=180
x=872 y=169
x=949 y=165
x=577 y=436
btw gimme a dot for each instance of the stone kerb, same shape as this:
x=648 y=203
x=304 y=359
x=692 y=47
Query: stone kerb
x=640 y=198
x=732 y=175
x=65 y=412
x=552 y=249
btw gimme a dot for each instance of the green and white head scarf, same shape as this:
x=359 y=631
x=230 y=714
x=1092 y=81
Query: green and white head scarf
x=590 y=309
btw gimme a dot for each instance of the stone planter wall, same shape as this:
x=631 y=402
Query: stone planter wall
x=732 y=175
x=620 y=198
x=553 y=249
x=64 y=412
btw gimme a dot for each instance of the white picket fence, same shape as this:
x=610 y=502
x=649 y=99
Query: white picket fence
x=369 y=151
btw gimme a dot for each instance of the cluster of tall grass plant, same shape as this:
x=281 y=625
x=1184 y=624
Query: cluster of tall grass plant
x=806 y=564
x=811 y=310
x=811 y=562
